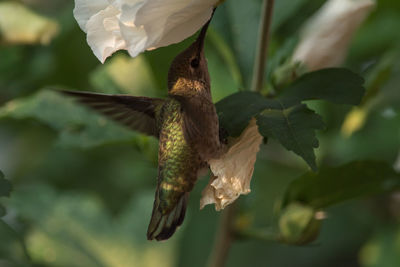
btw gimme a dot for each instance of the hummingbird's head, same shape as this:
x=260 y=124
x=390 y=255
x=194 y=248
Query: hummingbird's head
x=188 y=70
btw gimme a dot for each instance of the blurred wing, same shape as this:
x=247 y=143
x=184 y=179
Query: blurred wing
x=135 y=112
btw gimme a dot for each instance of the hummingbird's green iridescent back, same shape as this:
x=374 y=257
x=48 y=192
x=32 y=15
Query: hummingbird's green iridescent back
x=178 y=165
x=178 y=162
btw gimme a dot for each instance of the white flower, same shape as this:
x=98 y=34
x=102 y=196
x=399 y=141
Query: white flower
x=139 y=25
x=233 y=171
x=328 y=34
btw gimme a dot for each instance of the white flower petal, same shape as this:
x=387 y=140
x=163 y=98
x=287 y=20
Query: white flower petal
x=139 y=25
x=153 y=17
x=327 y=36
x=159 y=10
x=170 y=21
x=175 y=29
x=129 y=10
x=233 y=171
x=85 y=9
x=136 y=39
x=104 y=36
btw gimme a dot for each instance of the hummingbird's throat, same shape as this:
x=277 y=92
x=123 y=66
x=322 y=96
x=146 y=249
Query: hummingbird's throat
x=189 y=86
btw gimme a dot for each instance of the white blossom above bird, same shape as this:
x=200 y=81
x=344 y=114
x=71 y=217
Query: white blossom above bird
x=139 y=25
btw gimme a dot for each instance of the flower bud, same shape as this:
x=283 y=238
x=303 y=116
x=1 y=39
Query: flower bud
x=299 y=224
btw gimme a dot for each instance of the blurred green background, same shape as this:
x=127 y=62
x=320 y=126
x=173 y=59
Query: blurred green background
x=83 y=186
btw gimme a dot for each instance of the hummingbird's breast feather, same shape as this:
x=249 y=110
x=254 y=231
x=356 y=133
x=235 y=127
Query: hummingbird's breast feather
x=200 y=125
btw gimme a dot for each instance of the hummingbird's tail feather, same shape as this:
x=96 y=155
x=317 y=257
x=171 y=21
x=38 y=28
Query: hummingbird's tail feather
x=162 y=226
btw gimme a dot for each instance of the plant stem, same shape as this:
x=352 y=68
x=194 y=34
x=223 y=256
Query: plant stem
x=262 y=46
x=223 y=238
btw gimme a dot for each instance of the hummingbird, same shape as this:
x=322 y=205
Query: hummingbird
x=186 y=124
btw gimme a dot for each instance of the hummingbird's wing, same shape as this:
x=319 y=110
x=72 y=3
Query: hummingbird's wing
x=135 y=112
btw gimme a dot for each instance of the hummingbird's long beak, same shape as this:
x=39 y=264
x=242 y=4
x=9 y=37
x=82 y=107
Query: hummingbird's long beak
x=202 y=36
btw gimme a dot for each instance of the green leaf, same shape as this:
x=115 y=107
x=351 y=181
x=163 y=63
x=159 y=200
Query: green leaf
x=77 y=126
x=32 y=29
x=12 y=248
x=236 y=110
x=70 y=225
x=337 y=85
x=285 y=118
x=294 y=128
x=333 y=185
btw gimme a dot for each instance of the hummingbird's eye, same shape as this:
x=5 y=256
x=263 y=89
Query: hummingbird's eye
x=194 y=63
